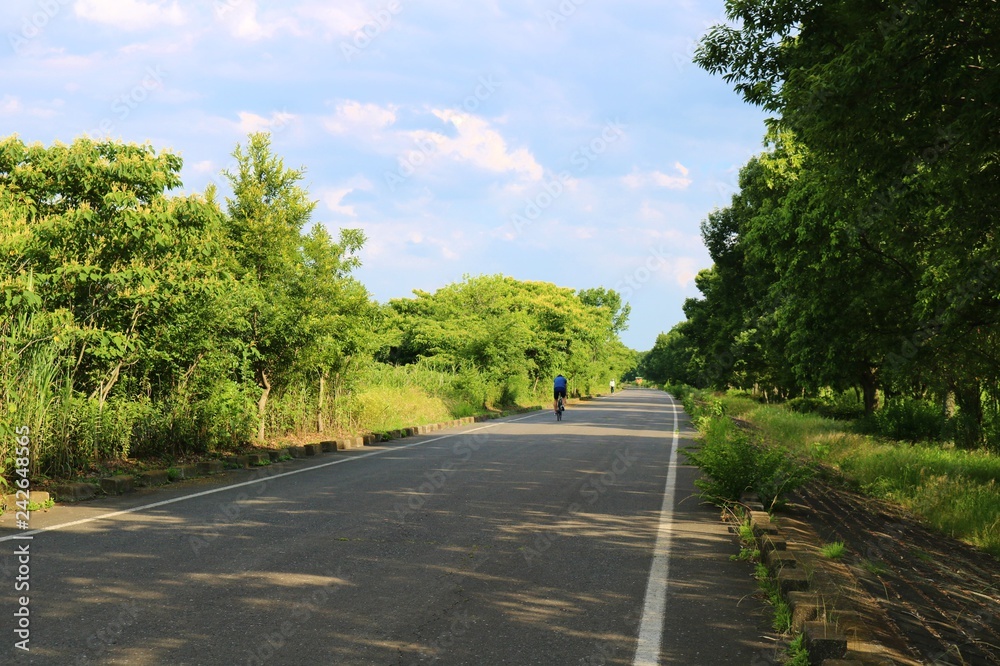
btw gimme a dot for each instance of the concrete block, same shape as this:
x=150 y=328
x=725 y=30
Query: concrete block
x=38 y=497
x=328 y=445
x=792 y=580
x=769 y=542
x=312 y=449
x=297 y=451
x=72 y=492
x=258 y=459
x=186 y=471
x=805 y=607
x=823 y=642
x=241 y=462
x=156 y=477
x=779 y=559
x=369 y=440
x=760 y=523
x=206 y=467
x=358 y=442
x=277 y=454
x=117 y=485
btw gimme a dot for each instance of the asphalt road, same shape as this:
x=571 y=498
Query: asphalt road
x=520 y=541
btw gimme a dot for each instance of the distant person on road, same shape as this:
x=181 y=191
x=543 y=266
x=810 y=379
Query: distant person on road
x=612 y=387
x=559 y=390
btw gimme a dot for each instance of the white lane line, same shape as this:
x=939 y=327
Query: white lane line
x=184 y=498
x=647 y=652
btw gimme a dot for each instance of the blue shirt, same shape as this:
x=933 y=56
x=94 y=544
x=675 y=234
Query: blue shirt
x=560 y=382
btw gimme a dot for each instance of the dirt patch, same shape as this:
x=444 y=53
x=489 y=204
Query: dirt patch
x=941 y=597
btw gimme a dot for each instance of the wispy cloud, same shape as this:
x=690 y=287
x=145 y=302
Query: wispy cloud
x=477 y=143
x=638 y=179
x=334 y=197
x=130 y=14
x=249 y=122
x=242 y=20
x=360 y=120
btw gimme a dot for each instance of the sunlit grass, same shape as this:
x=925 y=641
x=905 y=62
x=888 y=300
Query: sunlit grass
x=954 y=490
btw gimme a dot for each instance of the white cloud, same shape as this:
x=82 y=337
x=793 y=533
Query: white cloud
x=353 y=117
x=477 y=143
x=240 y=18
x=338 y=19
x=333 y=197
x=9 y=105
x=251 y=122
x=130 y=14
x=203 y=167
x=638 y=179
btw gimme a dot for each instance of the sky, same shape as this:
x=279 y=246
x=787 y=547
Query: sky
x=567 y=141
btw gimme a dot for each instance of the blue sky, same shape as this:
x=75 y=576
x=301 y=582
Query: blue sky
x=570 y=141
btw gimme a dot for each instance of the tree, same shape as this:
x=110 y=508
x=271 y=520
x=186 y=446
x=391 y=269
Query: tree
x=302 y=308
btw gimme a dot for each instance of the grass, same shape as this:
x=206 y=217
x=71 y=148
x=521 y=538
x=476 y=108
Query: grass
x=955 y=491
x=834 y=551
x=875 y=568
x=782 y=620
x=797 y=653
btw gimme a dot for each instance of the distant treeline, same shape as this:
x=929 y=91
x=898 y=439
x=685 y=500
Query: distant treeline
x=134 y=321
x=862 y=248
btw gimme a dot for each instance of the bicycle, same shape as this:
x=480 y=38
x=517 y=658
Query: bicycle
x=561 y=408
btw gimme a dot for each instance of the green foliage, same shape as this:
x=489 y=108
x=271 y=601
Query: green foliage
x=907 y=419
x=734 y=463
x=859 y=252
x=515 y=335
x=798 y=654
x=139 y=322
x=834 y=551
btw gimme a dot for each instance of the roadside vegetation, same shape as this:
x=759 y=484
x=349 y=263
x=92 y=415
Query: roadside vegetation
x=139 y=322
x=953 y=489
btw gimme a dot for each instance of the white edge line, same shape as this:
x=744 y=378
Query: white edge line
x=144 y=507
x=647 y=652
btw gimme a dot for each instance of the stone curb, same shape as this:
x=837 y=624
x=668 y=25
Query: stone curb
x=818 y=616
x=9 y=502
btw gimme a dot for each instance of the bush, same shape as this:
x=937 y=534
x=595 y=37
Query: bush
x=735 y=463
x=842 y=407
x=806 y=405
x=907 y=419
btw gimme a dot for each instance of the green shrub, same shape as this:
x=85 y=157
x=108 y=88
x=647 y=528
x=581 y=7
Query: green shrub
x=907 y=419
x=734 y=463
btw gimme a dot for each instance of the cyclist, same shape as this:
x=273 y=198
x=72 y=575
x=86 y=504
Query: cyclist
x=612 y=387
x=559 y=391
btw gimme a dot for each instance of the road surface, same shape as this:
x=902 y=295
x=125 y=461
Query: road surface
x=518 y=541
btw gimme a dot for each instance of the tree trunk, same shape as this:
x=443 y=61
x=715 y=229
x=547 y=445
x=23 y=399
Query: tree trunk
x=969 y=430
x=869 y=386
x=265 y=384
x=322 y=396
